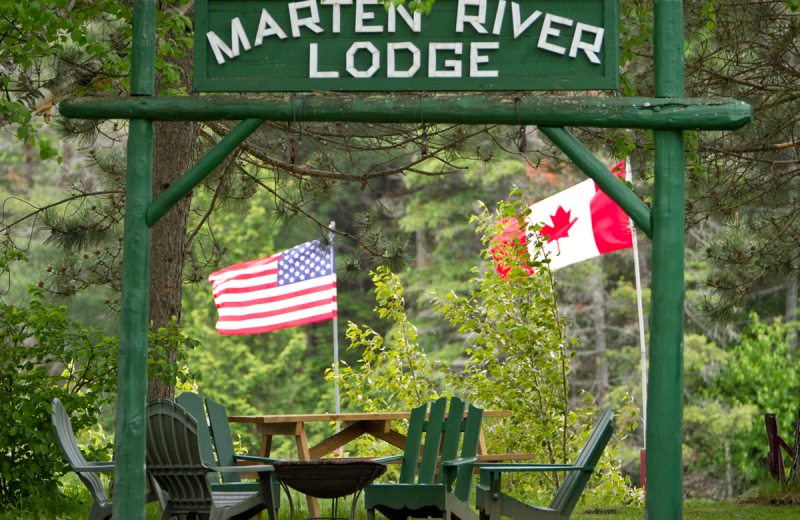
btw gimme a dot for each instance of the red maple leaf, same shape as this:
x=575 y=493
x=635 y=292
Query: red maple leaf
x=560 y=228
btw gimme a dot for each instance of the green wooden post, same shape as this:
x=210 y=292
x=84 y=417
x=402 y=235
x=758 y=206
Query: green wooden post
x=129 y=443
x=664 y=495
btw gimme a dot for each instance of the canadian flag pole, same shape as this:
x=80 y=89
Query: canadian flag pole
x=642 y=346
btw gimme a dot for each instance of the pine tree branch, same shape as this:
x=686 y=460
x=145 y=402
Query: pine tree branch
x=362 y=178
x=44 y=208
x=213 y=202
x=311 y=217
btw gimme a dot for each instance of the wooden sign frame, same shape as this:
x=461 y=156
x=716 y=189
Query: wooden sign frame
x=360 y=45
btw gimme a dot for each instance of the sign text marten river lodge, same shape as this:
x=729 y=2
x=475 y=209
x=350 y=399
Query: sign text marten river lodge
x=360 y=45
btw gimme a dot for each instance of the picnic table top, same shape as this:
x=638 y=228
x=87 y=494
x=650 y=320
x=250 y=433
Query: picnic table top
x=325 y=417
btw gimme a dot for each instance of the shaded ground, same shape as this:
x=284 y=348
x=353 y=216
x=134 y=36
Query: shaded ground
x=705 y=510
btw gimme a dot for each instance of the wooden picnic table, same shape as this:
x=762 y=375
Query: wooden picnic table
x=353 y=426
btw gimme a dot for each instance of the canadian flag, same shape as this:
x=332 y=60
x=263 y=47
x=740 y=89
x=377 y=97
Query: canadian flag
x=582 y=222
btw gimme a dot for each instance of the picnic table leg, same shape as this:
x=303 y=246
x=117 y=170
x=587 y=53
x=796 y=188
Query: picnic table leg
x=481 y=443
x=266 y=446
x=303 y=453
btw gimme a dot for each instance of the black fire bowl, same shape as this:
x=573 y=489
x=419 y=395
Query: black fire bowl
x=328 y=478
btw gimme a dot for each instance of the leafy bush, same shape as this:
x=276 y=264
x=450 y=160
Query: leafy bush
x=44 y=355
x=728 y=392
x=518 y=361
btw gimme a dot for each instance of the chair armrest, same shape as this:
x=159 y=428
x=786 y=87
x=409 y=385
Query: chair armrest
x=256 y=459
x=95 y=467
x=388 y=459
x=242 y=469
x=459 y=461
x=532 y=467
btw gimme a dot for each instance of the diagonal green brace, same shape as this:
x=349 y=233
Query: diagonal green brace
x=599 y=173
x=213 y=158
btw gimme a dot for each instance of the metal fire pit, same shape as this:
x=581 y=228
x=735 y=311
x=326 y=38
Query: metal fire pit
x=328 y=478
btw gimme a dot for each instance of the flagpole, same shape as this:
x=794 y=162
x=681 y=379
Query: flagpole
x=335 y=331
x=642 y=346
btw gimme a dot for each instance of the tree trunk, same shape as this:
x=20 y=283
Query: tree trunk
x=173 y=155
x=794 y=473
x=600 y=344
x=422 y=249
x=791 y=309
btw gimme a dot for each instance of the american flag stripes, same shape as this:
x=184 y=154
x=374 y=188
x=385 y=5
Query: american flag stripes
x=291 y=288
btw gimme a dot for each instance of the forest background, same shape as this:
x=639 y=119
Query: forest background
x=402 y=197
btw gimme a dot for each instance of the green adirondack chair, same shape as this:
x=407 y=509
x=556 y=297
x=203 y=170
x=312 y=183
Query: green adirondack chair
x=174 y=462
x=426 y=497
x=219 y=434
x=493 y=504
x=62 y=427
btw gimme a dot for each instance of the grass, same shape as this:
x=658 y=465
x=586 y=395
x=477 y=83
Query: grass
x=74 y=503
x=706 y=510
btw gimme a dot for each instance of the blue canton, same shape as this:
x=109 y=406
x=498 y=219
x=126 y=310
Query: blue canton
x=304 y=262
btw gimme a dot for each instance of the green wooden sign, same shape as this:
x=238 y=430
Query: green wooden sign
x=360 y=45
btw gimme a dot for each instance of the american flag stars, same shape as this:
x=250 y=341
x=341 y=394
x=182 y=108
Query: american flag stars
x=304 y=262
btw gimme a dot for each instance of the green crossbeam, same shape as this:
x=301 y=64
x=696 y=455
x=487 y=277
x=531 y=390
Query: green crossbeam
x=597 y=112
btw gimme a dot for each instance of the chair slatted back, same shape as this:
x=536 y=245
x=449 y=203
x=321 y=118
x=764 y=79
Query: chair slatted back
x=444 y=434
x=433 y=439
x=416 y=423
x=469 y=448
x=173 y=457
x=452 y=431
x=192 y=403
x=223 y=440
x=570 y=491
x=62 y=426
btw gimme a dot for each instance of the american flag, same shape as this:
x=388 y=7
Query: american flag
x=291 y=288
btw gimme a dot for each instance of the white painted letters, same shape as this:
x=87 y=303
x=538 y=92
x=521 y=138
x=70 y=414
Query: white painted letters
x=238 y=37
x=313 y=64
x=218 y=47
x=390 y=62
x=268 y=27
x=548 y=30
x=476 y=21
x=404 y=59
x=591 y=50
x=298 y=22
x=519 y=28
x=475 y=59
x=498 y=18
x=351 y=60
x=362 y=16
x=454 y=66
x=337 y=12
x=414 y=23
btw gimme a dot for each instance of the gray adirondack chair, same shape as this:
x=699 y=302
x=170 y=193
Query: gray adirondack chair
x=62 y=426
x=218 y=432
x=493 y=504
x=175 y=463
x=449 y=496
